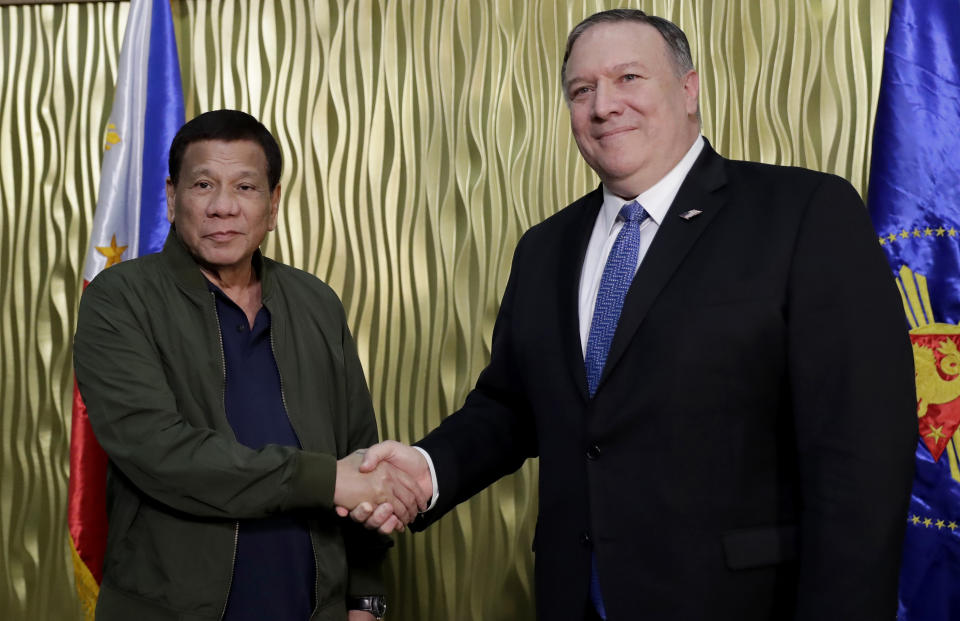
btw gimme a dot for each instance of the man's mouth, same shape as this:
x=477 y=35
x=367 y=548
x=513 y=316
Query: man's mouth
x=222 y=236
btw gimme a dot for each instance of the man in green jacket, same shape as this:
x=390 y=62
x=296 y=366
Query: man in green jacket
x=227 y=392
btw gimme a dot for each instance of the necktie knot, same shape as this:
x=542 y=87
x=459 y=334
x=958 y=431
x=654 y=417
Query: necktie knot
x=632 y=212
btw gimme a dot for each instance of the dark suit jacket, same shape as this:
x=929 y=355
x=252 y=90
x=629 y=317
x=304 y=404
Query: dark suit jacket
x=749 y=451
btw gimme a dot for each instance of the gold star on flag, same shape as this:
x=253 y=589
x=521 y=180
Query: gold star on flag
x=113 y=252
x=936 y=433
x=952 y=525
x=883 y=241
x=927 y=522
x=905 y=233
x=915 y=519
x=940 y=524
x=928 y=231
x=916 y=232
x=952 y=232
x=941 y=231
x=892 y=237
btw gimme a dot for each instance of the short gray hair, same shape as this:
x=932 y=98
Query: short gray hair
x=676 y=41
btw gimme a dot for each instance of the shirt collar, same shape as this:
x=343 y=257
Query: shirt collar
x=657 y=198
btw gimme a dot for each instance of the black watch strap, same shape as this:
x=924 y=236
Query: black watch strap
x=374 y=604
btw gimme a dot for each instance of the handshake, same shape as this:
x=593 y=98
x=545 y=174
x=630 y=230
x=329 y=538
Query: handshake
x=384 y=487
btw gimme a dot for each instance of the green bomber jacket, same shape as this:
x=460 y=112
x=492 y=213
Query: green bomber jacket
x=149 y=365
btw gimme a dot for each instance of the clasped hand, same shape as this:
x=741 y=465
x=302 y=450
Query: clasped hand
x=384 y=487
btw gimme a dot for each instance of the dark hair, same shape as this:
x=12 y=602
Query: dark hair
x=229 y=126
x=676 y=41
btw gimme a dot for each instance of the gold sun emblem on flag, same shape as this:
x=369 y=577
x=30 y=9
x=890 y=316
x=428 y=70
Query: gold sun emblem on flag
x=112 y=136
x=936 y=359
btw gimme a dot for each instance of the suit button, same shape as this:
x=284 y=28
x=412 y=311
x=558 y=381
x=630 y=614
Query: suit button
x=585 y=538
x=593 y=452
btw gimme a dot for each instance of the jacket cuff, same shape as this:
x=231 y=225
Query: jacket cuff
x=313 y=483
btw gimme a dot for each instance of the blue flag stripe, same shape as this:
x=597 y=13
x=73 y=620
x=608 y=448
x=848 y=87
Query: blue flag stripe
x=162 y=118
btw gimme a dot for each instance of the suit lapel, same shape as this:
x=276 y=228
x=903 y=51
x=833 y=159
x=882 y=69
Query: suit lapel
x=672 y=243
x=572 y=252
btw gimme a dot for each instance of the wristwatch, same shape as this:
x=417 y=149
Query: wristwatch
x=374 y=604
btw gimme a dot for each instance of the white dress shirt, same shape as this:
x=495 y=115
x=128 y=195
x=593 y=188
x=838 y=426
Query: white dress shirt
x=655 y=201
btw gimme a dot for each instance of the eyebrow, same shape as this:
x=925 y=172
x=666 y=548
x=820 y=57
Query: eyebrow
x=614 y=69
x=206 y=172
x=627 y=65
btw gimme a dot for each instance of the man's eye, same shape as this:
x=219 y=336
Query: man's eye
x=630 y=77
x=247 y=187
x=203 y=185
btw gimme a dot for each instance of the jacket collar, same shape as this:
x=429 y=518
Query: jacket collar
x=186 y=271
x=576 y=236
x=702 y=190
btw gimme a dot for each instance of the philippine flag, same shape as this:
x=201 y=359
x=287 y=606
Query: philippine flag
x=130 y=220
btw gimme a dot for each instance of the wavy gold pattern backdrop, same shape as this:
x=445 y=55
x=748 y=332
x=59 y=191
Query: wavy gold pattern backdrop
x=421 y=138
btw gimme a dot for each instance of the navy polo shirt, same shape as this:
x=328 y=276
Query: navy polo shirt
x=273 y=573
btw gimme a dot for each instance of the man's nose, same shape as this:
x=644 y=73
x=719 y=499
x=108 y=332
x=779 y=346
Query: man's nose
x=605 y=101
x=223 y=203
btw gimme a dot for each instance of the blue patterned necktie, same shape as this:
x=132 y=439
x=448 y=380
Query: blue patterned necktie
x=617 y=276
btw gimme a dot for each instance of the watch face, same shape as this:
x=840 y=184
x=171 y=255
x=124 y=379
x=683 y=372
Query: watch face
x=379 y=607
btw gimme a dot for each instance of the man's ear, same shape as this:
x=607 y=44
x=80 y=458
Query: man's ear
x=274 y=208
x=691 y=88
x=171 y=200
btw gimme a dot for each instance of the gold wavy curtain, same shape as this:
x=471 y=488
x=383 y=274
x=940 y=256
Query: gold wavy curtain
x=421 y=139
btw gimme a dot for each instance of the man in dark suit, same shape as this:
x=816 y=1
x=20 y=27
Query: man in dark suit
x=709 y=358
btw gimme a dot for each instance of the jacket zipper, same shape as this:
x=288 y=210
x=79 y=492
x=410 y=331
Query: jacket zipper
x=283 y=401
x=223 y=403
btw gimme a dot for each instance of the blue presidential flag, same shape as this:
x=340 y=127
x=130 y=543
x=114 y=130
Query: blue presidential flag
x=914 y=200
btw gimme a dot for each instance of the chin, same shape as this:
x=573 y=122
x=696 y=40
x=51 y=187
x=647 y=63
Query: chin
x=221 y=259
x=618 y=174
